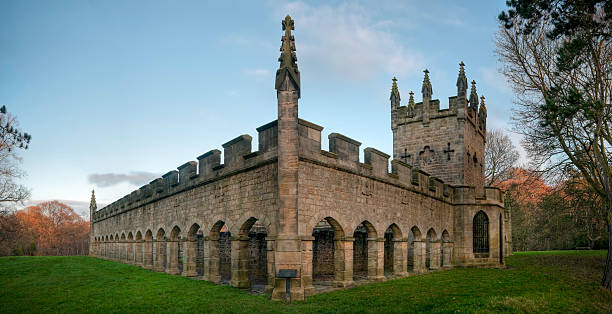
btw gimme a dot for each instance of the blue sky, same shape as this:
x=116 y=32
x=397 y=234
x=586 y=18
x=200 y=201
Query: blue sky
x=115 y=93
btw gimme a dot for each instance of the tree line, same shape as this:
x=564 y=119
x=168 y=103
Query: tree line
x=49 y=228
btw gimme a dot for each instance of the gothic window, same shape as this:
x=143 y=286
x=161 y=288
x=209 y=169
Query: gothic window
x=480 y=230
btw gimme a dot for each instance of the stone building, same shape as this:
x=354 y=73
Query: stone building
x=324 y=213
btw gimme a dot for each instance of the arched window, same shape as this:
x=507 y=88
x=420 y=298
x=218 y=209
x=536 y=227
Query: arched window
x=480 y=233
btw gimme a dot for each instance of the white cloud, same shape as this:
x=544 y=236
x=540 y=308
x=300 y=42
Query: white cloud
x=346 y=41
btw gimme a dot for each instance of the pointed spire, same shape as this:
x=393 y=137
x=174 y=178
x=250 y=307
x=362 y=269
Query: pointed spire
x=288 y=59
x=394 y=90
x=411 y=105
x=427 y=89
x=482 y=114
x=473 y=97
x=92 y=203
x=461 y=81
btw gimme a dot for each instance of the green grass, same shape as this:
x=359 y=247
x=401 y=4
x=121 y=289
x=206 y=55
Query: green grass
x=561 y=281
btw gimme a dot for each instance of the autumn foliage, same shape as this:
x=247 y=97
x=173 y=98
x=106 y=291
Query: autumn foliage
x=49 y=228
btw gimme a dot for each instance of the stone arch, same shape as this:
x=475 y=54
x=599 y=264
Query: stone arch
x=393 y=253
x=365 y=251
x=121 y=247
x=174 y=250
x=432 y=250
x=220 y=254
x=480 y=235
x=250 y=256
x=160 y=250
x=193 y=252
x=147 y=258
x=327 y=251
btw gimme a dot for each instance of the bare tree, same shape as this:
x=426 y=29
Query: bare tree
x=563 y=85
x=500 y=157
x=11 y=140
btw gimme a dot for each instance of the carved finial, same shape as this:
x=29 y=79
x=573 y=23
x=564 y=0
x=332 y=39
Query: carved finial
x=427 y=89
x=92 y=203
x=473 y=97
x=461 y=81
x=482 y=115
x=411 y=105
x=394 y=91
x=482 y=103
x=288 y=59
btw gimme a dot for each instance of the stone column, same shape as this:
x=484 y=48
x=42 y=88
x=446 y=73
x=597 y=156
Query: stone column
x=172 y=255
x=376 y=259
x=148 y=255
x=434 y=262
x=419 y=256
x=269 y=288
x=211 y=260
x=400 y=247
x=189 y=259
x=343 y=262
x=240 y=262
x=307 y=242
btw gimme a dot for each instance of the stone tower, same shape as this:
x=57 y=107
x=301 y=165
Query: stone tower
x=92 y=209
x=447 y=143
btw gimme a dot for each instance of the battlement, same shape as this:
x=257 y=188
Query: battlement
x=237 y=157
x=343 y=154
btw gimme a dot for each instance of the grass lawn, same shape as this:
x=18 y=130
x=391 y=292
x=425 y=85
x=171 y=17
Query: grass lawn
x=560 y=281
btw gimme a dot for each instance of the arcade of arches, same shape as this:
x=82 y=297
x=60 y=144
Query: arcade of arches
x=245 y=260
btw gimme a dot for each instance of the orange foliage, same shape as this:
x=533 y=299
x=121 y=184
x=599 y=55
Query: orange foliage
x=56 y=228
x=526 y=187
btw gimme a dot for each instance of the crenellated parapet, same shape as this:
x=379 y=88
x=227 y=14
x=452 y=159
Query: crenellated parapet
x=343 y=154
x=237 y=157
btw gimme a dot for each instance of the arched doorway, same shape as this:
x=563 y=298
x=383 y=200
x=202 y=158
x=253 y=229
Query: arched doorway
x=148 y=250
x=327 y=252
x=220 y=253
x=160 y=248
x=175 y=259
x=192 y=251
x=365 y=252
x=138 y=250
x=393 y=251
x=253 y=255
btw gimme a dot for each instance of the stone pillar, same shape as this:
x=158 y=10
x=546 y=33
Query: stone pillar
x=307 y=242
x=376 y=259
x=189 y=259
x=434 y=262
x=419 y=256
x=240 y=262
x=343 y=262
x=448 y=252
x=148 y=255
x=172 y=255
x=270 y=244
x=211 y=260
x=400 y=247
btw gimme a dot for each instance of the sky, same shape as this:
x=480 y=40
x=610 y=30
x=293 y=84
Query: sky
x=116 y=93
